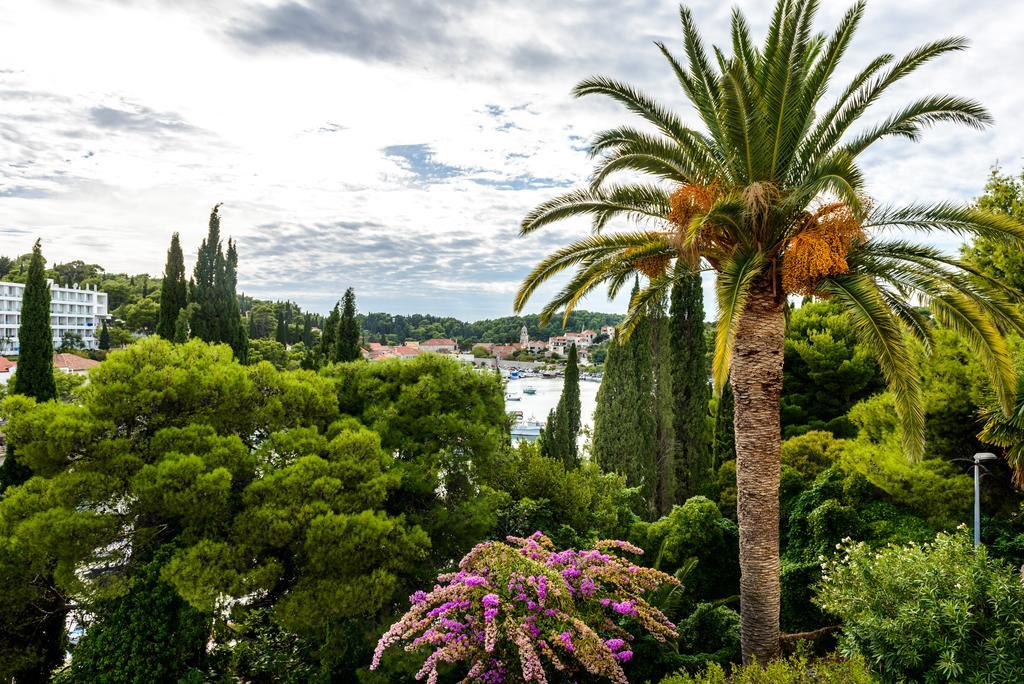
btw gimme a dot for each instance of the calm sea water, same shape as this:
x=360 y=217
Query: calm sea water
x=548 y=391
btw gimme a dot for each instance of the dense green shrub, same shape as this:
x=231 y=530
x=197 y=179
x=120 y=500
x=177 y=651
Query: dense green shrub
x=149 y=634
x=941 y=611
x=795 y=670
x=695 y=530
x=811 y=453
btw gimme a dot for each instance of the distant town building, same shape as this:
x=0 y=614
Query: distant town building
x=376 y=351
x=608 y=330
x=69 y=363
x=504 y=351
x=72 y=310
x=440 y=345
x=524 y=337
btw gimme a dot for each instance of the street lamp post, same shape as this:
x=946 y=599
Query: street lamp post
x=978 y=459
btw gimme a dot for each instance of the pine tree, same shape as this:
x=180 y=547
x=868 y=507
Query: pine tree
x=348 y=330
x=329 y=336
x=173 y=290
x=104 y=343
x=34 y=377
x=725 y=437
x=624 y=419
x=690 y=388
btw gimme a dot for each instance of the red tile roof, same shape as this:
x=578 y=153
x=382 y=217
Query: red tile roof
x=6 y=365
x=73 y=363
x=444 y=341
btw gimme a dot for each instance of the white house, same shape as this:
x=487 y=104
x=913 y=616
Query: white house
x=72 y=310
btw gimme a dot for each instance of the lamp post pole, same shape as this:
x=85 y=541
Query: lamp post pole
x=978 y=458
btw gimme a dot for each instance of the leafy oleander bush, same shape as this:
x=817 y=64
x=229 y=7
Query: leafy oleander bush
x=940 y=611
x=522 y=611
x=794 y=670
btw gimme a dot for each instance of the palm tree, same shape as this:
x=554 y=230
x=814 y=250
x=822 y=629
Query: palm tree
x=769 y=196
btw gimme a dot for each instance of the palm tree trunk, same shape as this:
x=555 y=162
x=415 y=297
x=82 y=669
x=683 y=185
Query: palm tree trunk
x=756 y=380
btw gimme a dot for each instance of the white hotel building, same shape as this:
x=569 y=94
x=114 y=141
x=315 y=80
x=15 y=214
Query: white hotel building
x=72 y=310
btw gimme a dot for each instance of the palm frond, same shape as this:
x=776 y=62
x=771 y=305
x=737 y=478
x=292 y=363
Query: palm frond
x=635 y=101
x=881 y=331
x=735 y=276
x=926 y=112
x=636 y=201
x=963 y=315
x=947 y=217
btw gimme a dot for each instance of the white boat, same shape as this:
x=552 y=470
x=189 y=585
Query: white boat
x=529 y=389
x=528 y=430
x=513 y=396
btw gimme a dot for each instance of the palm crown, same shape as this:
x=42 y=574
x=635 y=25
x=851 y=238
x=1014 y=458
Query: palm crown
x=769 y=194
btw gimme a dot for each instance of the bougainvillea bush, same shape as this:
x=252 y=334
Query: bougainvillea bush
x=523 y=612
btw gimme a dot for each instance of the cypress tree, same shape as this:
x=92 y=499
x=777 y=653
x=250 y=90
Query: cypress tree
x=690 y=388
x=329 y=335
x=280 y=332
x=235 y=333
x=202 y=293
x=104 y=336
x=348 y=330
x=725 y=436
x=665 y=443
x=624 y=419
x=571 y=395
x=563 y=427
x=307 y=331
x=181 y=326
x=173 y=290
x=34 y=377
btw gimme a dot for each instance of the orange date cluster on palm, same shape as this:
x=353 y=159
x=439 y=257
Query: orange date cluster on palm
x=819 y=248
x=687 y=202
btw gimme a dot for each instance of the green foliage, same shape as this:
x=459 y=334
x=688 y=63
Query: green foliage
x=942 y=611
x=625 y=428
x=724 y=440
x=348 y=330
x=395 y=328
x=104 y=341
x=148 y=634
x=446 y=427
x=173 y=290
x=826 y=371
x=811 y=453
x=577 y=505
x=933 y=487
x=695 y=530
x=35 y=358
x=1004 y=194
x=797 y=669
x=690 y=388
x=217 y=316
x=558 y=439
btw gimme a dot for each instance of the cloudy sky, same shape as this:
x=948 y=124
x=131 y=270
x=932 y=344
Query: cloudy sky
x=391 y=145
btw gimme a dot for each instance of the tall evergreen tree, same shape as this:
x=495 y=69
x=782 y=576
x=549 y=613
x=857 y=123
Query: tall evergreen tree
x=690 y=387
x=104 y=342
x=204 y=320
x=281 y=331
x=307 y=331
x=725 y=436
x=663 y=407
x=329 y=335
x=624 y=419
x=235 y=333
x=173 y=290
x=348 y=330
x=562 y=430
x=34 y=377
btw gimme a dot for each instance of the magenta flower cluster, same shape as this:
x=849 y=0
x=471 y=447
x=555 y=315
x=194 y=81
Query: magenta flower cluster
x=523 y=612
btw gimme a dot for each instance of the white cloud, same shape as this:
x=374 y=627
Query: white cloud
x=122 y=122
